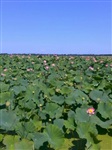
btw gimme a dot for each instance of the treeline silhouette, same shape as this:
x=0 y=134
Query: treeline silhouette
x=58 y=54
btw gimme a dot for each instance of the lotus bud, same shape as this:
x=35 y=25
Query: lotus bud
x=7 y=103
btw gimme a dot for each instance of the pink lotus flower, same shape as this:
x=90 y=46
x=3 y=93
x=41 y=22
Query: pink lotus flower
x=110 y=65
x=28 y=57
x=45 y=61
x=91 y=111
x=94 y=59
x=71 y=58
x=5 y=70
x=53 y=65
x=2 y=74
x=47 y=67
x=106 y=65
x=57 y=57
x=87 y=58
x=91 y=68
x=101 y=61
x=29 y=69
x=71 y=62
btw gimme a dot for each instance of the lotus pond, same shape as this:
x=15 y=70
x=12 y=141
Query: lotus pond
x=51 y=102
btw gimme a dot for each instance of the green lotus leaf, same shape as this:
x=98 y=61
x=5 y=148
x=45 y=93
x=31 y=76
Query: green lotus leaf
x=105 y=141
x=37 y=66
x=78 y=97
x=66 y=90
x=51 y=91
x=20 y=130
x=105 y=98
x=9 y=141
x=8 y=119
x=39 y=139
x=54 y=135
x=69 y=124
x=37 y=123
x=1 y=137
x=58 y=99
x=24 y=145
x=105 y=110
x=83 y=129
x=59 y=112
x=102 y=84
x=110 y=95
x=24 y=128
x=59 y=123
x=86 y=87
x=4 y=87
x=24 y=82
x=29 y=127
x=4 y=96
x=81 y=97
x=81 y=115
x=38 y=99
x=90 y=144
x=52 y=82
x=30 y=105
x=18 y=89
x=29 y=92
x=96 y=95
x=68 y=144
x=108 y=91
x=71 y=114
x=42 y=114
x=59 y=84
x=70 y=99
x=104 y=124
x=51 y=109
x=97 y=77
x=109 y=77
x=77 y=79
x=87 y=131
x=88 y=72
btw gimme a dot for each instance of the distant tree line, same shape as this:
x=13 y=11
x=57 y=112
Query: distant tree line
x=59 y=54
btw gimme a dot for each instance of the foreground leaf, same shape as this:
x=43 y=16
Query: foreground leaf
x=54 y=135
x=39 y=139
x=8 y=119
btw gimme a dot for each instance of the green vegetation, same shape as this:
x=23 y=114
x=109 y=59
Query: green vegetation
x=55 y=102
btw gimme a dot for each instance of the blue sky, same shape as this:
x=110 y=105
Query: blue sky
x=56 y=27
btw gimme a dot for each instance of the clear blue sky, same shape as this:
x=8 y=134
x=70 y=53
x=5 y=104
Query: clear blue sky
x=56 y=27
